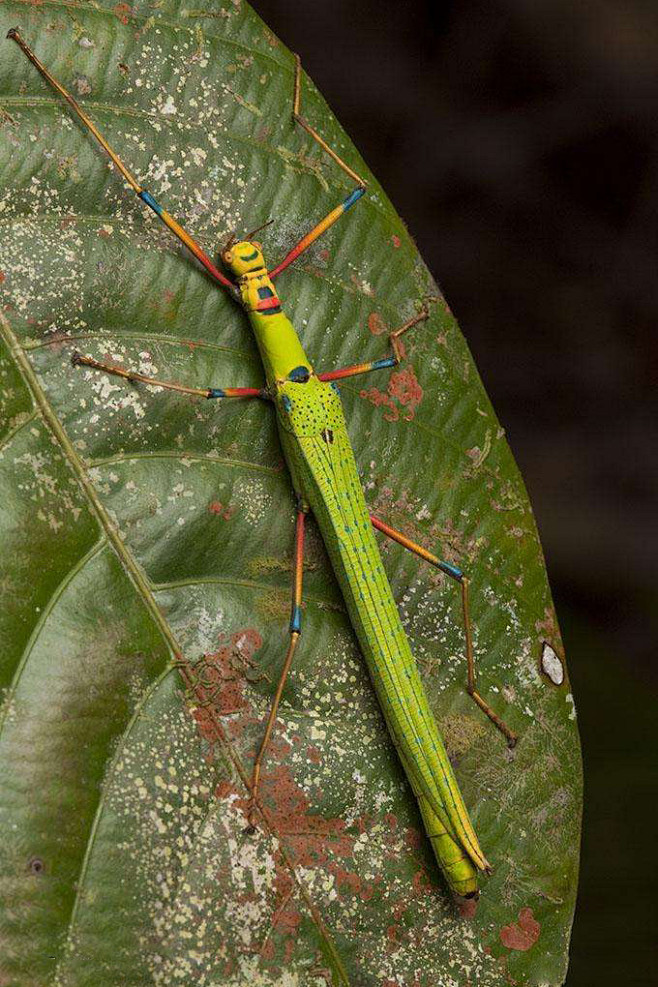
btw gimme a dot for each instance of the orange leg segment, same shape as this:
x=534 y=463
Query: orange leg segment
x=295 y=631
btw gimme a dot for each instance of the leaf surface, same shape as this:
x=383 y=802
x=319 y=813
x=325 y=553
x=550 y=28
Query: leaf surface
x=140 y=525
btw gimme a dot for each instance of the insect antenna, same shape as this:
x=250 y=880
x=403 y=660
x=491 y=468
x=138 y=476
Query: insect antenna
x=229 y=243
x=258 y=229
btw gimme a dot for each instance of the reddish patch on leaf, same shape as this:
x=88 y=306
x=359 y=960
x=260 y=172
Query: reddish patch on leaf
x=247 y=642
x=313 y=754
x=396 y=240
x=221 y=510
x=548 y=629
x=376 y=324
x=268 y=950
x=2 y=276
x=223 y=789
x=346 y=879
x=522 y=935
x=467 y=907
x=123 y=11
x=403 y=390
x=421 y=883
x=378 y=398
x=368 y=889
x=413 y=838
x=311 y=839
x=324 y=254
x=405 y=387
x=219 y=679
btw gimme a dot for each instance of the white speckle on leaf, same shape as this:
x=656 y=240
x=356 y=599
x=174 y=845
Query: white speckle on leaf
x=551 y=665
x=572 y=711
x=169 y=107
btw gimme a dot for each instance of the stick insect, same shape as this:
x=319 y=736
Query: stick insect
x=326 y=484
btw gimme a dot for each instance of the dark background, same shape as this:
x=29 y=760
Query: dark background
x=519 y=141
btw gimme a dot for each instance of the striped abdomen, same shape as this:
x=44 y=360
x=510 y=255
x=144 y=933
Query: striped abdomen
x=320 y=456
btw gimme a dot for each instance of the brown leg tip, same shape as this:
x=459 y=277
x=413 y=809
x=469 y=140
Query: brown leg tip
x=512 y=741
x=76 y=358
x=13 y=34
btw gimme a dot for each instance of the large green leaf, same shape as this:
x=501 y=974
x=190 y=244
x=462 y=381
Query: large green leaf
x=136 y=523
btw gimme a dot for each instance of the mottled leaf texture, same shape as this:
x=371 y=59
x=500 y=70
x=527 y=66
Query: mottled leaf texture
x=138 y=522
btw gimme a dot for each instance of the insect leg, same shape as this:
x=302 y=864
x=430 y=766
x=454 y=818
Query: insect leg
x=132 y=375
x=388 y=361
x=336 y=213
x=295 y=628
x=456 y=574
x=145 y=196
x=298 y=118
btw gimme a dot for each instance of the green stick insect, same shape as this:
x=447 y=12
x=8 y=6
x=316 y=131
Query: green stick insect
x=326 y=483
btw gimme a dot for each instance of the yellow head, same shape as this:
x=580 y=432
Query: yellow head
x=243 y=257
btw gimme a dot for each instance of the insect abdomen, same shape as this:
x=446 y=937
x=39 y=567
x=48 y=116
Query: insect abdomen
x=327 y=474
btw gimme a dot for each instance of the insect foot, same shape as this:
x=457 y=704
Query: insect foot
x=251 y=828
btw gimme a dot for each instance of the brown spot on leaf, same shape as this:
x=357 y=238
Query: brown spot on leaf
x=218 y=681
x=467 y=907
x=522 y=935
x=36 y=865
x=396 y=240
x=123 y=11
x=223 y=789
x=312 y=840
x=548 y=629
x=221 y=510
x=421 y=883
x=82 y=85
x=378 y=398
x=404 y=386
x=376 y=324
x=313 y=754
x=403 y=390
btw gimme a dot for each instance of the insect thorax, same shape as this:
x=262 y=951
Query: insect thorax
x=310 y=408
